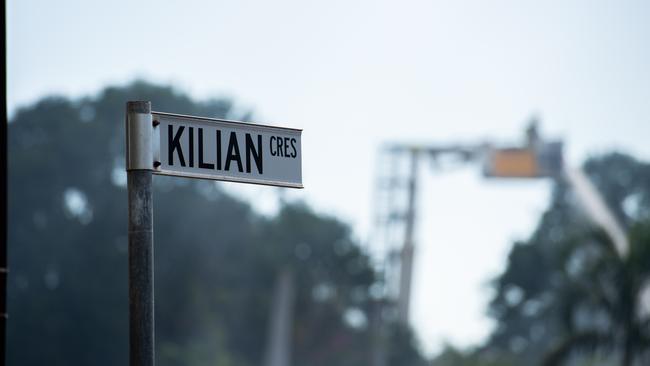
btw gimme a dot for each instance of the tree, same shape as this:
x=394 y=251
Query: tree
x=608 y=289
x=541 y=296
x=450 y=356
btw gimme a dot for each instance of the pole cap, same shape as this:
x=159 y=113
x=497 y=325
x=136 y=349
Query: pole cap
x=138 y=106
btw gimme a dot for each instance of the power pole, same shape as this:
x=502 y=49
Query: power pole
x=278 y=352
x=408 y=249
x=379 y=343
x=396 y=210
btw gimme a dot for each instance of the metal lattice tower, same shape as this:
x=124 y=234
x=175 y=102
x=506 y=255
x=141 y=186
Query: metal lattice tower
x=389 y=224
x=393 y=239
x=394 y=225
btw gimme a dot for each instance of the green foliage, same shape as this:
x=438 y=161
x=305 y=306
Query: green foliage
x=451 y=356
x=565 y=293
x=610 y=289
x=401 y=347
x=216 y=260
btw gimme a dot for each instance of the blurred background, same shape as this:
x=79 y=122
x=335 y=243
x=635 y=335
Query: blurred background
x=477 y=186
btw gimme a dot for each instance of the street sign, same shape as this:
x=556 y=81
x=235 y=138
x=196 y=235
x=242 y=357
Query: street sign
x=198 y=147
x=193 y=147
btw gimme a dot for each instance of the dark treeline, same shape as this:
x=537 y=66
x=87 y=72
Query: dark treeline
x=216 y=260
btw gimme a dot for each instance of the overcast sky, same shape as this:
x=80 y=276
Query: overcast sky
x=354 y=74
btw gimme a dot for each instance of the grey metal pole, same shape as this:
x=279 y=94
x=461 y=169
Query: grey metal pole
x=406 y=270
x=139 y=179
x=278 y=352
x=379 y=348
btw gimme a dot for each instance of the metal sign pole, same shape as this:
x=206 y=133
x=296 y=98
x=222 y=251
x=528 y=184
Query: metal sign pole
x=139 y=165
x=225 y=150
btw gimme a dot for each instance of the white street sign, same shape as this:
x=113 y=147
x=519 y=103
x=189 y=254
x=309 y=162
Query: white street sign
x=207 y=148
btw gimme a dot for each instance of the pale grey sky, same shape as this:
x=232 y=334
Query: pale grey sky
x=363 y=72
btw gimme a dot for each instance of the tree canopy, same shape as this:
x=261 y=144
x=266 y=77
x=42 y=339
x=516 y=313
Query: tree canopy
x=565 y=292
